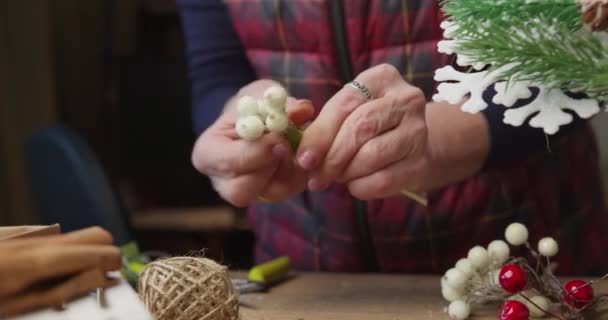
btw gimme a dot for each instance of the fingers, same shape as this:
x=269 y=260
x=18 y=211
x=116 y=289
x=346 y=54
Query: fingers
x=92 y=235
x=374 y=156
x=273 y=183
x=364 y=124
x=407 y=140
x=319 y=136
x=78 y=285
x=300 y=111
x=389 y=181
x=47 y=262
x=223 y=157
x=286 y=181
x=62 y=260
x=242 y=191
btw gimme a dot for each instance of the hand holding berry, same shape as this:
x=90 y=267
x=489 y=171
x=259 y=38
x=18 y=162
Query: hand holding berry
x=243 y=170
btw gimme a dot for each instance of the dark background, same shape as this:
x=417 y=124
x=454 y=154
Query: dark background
x=115 y=72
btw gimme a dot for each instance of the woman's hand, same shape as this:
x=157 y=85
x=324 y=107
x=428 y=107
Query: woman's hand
x=243 y=172
x=47 y=271
x=382 y=146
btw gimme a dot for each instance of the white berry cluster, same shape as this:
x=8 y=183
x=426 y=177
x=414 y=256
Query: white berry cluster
x=482 y=268
x=257 y=116
x=537 y=301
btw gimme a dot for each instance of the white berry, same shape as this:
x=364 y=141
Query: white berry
x=498 y=251
x=520 y=298
x=548 y=247
x=479 y=257
x=465 y=266
x=455 y=278
x=495 y=277
x=459 y=310
x=264 y=108
x=249 y=127
x=277 y=122
x=276 y=97
x=451 y=294
x=491 y=277
x=516 y=234
x=247 y=106
x=541 y=302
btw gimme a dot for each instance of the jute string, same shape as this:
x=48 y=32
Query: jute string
x=185 y=288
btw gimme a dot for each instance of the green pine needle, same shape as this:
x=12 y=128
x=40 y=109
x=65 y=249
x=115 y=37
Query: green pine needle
x=543 y=42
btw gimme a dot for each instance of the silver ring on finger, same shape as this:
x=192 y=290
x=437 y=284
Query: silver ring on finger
x=363 y=90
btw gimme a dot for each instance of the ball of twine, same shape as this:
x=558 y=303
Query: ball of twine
x=184 y=288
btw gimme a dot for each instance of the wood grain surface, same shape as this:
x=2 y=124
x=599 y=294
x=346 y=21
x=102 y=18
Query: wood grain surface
x=316 y=296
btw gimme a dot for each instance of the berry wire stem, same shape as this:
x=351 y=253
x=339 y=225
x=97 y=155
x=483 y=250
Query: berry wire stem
x=535 y=255
x=527 y=266
x=539 y=308
x=589 y=283
x=594 y=281
x=550 y=274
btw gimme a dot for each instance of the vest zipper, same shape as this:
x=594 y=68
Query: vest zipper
x=347 y=74
x=339 y=24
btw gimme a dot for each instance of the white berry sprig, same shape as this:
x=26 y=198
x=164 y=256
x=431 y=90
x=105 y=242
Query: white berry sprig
x=493 y=276
x=269 y=114
x=475 y=280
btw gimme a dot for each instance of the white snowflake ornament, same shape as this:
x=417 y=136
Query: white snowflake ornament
x=471 y=85
x=549 y=108
x=508 y=93
x=449 y=45
x=544 y=111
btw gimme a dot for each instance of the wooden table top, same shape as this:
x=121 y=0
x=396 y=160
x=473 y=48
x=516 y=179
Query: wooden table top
x=316 y=296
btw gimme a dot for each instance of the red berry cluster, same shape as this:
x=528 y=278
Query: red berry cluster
x=578 y=293
x=514 y=310
x=527 y=290
x=512 y=278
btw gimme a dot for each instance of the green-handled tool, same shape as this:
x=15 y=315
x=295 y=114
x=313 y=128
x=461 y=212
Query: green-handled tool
x=264 y=275
x=271 y=271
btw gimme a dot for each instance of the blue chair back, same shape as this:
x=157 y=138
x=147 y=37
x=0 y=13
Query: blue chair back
x=69 y=186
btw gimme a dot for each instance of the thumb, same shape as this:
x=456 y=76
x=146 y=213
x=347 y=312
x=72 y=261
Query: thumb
x=300 y=111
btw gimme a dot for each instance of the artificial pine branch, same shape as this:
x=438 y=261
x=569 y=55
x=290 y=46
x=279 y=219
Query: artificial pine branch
x=470 y=13
x=542 y=42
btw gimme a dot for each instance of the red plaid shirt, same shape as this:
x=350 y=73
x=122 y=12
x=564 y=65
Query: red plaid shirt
x=555 y=193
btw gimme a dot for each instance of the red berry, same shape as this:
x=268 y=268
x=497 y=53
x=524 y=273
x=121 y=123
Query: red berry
x=578 y=293
x=514 y=310
x=512 y=278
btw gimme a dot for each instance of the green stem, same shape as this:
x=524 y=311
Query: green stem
x=294 y=136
